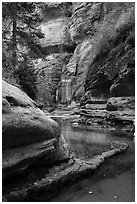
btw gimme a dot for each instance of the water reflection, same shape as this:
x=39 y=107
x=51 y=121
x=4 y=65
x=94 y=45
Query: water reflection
x=72 y=133
x=84 y=143
x=115 y=181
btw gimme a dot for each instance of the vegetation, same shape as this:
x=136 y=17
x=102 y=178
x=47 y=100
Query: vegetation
x=21 y=43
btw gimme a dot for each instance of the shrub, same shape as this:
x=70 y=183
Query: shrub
x=27 y=77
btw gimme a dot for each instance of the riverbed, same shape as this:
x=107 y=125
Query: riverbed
x=113 y=181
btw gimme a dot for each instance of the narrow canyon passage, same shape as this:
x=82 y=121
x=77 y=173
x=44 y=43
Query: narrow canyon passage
x=68 y=101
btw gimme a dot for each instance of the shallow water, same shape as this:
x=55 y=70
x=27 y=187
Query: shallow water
x=113 y=181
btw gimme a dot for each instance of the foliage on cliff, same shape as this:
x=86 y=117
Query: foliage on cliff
x=20 y=41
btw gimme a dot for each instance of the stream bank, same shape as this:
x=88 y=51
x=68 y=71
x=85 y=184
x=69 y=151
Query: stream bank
x=35 y=166
x=38 y=189
x=117 y=172
x=90 y=150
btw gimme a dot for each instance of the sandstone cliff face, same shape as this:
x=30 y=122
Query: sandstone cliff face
x=58 y=48
x=103 y=61
x=49 y=75
x=84 y=20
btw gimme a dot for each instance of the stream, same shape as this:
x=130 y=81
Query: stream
x=114 y=181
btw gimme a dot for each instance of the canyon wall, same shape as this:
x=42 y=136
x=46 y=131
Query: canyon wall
x=103 y=62
x=90 y=49
x=58 y=48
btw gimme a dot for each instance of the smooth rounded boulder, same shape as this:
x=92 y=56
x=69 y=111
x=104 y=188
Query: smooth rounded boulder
x=29 y=136
x=22 y=122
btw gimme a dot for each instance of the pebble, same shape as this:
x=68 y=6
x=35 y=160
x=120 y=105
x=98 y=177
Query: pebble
x=90 y=192
x=115 y=197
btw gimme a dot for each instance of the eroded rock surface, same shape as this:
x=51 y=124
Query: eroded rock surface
x=60 y=175
x=103 y=62
x=116 y=113
x=28 y=134
x=36 y=157
x=57 y=47
x=49 y=75
x=24 y=123
x=120 y=103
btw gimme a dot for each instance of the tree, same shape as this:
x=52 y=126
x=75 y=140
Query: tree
x=27 y=77
x=21 y=38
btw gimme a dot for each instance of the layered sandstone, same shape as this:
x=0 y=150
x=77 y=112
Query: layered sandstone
x=58 y=48
x=28 y=135
x=103 y=61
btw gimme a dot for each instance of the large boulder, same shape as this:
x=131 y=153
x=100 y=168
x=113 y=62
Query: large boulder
x=24 y=123
x=28 y=134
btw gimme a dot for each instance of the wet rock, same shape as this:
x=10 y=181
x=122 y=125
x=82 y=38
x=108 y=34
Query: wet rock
x=34 y=191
